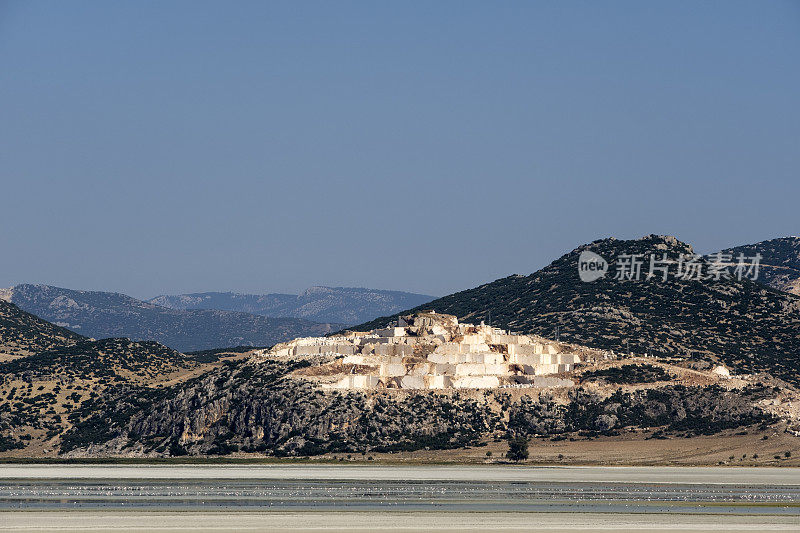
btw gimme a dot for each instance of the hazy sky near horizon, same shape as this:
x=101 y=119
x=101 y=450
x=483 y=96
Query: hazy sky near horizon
x=163 y=147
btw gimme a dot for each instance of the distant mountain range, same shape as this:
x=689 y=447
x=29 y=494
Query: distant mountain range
x=321 y=304
x=749 y=326
x=105 y=314
x=202 y=321
x=700 y=318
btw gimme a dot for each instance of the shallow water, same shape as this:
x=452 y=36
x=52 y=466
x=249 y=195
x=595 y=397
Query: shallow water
x=36 y=497
x=440 y=496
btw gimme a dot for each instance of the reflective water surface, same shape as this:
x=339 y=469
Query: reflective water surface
x=376 y=488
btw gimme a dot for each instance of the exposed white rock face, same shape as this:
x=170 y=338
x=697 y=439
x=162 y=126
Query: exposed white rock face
x=435 y=351
x=355 y=381
x=722 y=372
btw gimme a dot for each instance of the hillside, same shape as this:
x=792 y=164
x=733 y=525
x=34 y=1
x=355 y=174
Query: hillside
x=22 y=333
x=116 y=359
x=120 y=398
x=104 y=314
x=116 y=397
x=40 y=393
x=750 y=327
x=780 y=266
x=321 y=304
x=267 y=408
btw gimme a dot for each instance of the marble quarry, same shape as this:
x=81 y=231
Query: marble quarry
x=435 y=351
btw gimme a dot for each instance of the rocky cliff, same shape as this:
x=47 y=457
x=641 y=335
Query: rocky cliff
x=259 y=407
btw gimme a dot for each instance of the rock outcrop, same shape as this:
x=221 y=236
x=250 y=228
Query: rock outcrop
x=433 y=351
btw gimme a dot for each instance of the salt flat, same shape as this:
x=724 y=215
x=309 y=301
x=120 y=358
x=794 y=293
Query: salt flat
x=577 y=474
x=385 y=521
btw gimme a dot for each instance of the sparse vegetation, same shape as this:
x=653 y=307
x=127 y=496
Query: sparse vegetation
x=628 y=374
x=114 y=395
x=675 y=408
x=751 y=328
x=517 y=448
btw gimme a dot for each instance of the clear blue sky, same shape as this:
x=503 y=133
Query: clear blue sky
x=152 y=147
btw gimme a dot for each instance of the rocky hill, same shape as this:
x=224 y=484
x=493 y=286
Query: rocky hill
x=262 y=407
x=245 y=406
x=780 y=266
x=342 y=305
x=41 y=393
x=115 y=359
x=750 y=327
x=117 y=397
x=104 y=314
x=22 y=333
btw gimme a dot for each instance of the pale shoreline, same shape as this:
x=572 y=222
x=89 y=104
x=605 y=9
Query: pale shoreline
x=385 y=521
x=572 y=474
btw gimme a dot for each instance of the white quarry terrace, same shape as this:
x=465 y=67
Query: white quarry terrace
x=433 y=351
